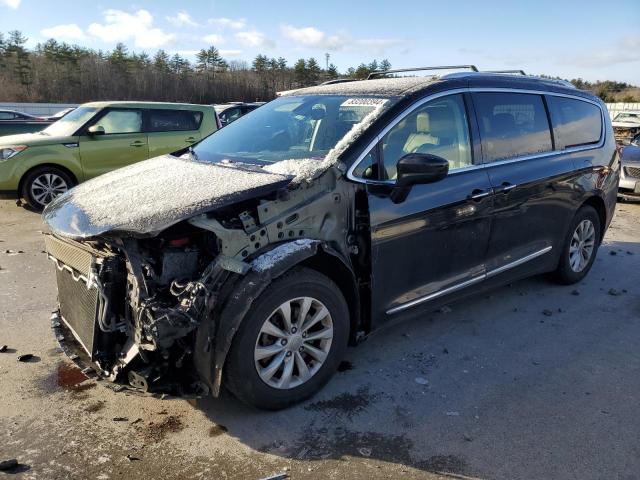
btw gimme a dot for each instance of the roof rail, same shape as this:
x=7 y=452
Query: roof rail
x=338 y=80
x=473 y=68
x=517 y=72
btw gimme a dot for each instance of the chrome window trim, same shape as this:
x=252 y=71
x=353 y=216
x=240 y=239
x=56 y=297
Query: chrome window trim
x=481 y=165
x=469 y=282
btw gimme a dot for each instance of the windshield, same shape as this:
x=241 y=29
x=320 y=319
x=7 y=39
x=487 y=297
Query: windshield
x=70 y=123
x=291 y=128
x=627 y=117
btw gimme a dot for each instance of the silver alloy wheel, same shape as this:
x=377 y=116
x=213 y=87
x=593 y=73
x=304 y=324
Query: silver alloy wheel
x=582 y=245
x=293 y=343
x=46 y=187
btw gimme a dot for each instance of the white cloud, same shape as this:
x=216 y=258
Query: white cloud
x=121 y=26
x=625 y=50
x=230 y=53
x=70 y=31
x=223 y=22
x=254 y=38
x=313 y=38
x=182 y=19
x=11 y=3
x=213 y=38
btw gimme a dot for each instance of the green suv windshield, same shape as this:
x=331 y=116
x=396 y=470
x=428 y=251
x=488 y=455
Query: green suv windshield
x=289 y=128
x=70 y=123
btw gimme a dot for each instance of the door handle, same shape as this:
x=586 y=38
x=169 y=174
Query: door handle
x=479 y=194
x=190 y=140
x=138 y=143
x=505 y=188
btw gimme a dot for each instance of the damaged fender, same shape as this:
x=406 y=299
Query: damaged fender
x=215 y=336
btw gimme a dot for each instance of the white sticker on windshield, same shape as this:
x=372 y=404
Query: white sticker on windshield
x=363 y=102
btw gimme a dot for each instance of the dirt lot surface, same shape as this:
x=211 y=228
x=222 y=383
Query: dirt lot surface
x=532 y=381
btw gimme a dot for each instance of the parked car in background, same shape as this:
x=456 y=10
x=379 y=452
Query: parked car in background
x=630 y=170
x=58 y=115
x=230 y=112
x=253 y=260
x=93 y=139
x=626 y=125
x=12 y=122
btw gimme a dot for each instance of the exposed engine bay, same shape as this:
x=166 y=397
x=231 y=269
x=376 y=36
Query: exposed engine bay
x=148 y=313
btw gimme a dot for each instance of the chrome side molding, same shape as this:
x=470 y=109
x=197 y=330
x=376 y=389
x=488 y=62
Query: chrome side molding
x=467 y=283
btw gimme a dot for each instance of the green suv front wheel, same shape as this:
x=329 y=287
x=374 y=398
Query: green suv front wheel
x=43 y=184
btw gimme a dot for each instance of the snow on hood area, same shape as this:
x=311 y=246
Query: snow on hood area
x=149 y=196
x=306 y=169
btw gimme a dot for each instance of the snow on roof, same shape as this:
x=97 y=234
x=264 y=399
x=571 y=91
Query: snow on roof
x=152 y=195
x=379 y=86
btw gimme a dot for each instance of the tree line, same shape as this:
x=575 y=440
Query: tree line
x=59 y=72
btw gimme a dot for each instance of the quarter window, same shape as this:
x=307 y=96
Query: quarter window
x=574 y=122
x=439 y=127
x=121 y=121
x=512 y=125
x=173 y=120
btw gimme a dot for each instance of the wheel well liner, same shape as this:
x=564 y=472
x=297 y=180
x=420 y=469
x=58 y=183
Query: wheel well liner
x=54 y=165
x=214 y=338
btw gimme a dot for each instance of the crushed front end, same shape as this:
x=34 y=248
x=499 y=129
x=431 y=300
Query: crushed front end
x=128 y=309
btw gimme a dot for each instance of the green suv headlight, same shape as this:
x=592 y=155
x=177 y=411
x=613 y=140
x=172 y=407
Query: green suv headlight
x=10 y=151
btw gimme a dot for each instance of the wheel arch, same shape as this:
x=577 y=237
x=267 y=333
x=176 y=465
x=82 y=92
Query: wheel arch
x=42 y=165
x=214 y=338
x=599 y=206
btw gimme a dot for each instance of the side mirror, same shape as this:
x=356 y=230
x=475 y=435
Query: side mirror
x=96 y=130
x=417 y=168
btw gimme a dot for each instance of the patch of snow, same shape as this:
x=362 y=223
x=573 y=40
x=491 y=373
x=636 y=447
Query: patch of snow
x=150 y=196
x=273 y=257
x=306 y=169
x=378 y=86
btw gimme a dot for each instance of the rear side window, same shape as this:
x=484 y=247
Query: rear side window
x=512 y=125
x=574 y=122
x=7 y=116
x=174 y=120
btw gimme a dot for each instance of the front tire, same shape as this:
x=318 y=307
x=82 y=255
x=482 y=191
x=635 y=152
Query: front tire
x=580 y=246
x=290 y=342
x=43 y=184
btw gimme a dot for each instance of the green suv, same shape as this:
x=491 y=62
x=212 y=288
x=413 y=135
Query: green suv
x=94 y=139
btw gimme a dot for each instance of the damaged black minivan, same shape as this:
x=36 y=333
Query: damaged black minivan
x=253 y=259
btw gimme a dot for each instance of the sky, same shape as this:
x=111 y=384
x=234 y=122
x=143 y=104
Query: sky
x=594 y=40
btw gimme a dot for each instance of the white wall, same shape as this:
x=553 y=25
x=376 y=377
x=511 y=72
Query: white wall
x=37 y=108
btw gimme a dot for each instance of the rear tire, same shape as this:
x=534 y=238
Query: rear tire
x=580 y=247
x=43 y=184
x=255 y=380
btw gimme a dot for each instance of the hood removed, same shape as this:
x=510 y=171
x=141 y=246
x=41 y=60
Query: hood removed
x=149 y=196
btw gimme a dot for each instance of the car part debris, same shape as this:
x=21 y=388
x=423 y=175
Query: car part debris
x=25 y=358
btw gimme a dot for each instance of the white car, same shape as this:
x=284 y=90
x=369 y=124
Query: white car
x=626 y=125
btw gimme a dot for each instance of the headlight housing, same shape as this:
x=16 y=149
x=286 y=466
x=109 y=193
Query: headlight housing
x=6 y=152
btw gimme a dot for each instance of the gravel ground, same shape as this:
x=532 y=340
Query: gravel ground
x=531 y=381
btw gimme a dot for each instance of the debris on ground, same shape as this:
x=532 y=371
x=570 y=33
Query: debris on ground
x=614 y=292
x=278 y=476
x=467 y=438
x=8 y=464
x=3 y=348
x=575 y=292
x=25 y=358
x=444 y=309
x=365 y=451
x=453 y=414
x=445 y=350
x=613 y=252
x=120 y=419
x=345 y=366
x=421 y=381
x=629 y=252
x=131 y=458
x=547 y=312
